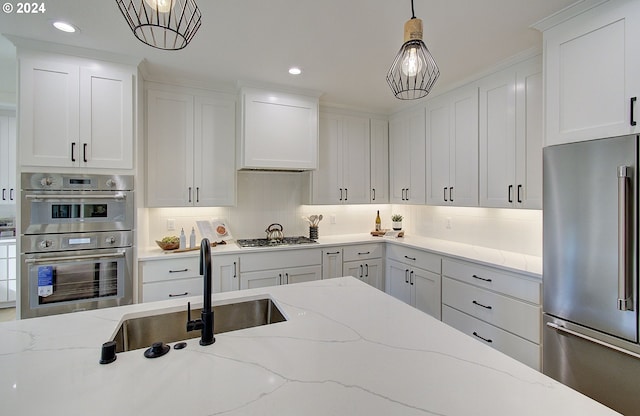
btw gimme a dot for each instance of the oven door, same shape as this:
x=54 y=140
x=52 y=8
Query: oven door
x=47 y=212
x=72 y=281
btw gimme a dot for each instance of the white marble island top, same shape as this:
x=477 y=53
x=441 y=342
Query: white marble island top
x=346 y=349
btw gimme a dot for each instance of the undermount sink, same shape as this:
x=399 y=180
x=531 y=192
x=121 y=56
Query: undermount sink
x=141 y=332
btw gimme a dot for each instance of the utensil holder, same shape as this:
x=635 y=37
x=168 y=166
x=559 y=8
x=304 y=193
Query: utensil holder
x=313 y=233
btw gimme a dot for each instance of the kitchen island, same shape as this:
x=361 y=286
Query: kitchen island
x=345 y=349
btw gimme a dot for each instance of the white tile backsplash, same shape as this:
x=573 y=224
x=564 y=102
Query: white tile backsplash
x=278 y=197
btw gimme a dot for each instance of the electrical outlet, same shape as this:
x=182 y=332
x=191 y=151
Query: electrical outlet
x=332 y=219
x=171 y=225
x=448 y=223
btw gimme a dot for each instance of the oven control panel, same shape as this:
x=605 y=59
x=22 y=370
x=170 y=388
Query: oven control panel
x=76 y=241
x=75 y=182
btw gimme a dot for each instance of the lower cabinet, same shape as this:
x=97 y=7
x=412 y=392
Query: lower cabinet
x=272 y=268
x=332 y=263
x=226 y=273
x=418 y=286
x=8 y=271
x=170 y=278
x=498 y=308
x=364 y=261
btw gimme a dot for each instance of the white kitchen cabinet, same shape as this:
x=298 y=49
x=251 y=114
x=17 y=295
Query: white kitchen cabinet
x=76 y=113
x=7 y=272
x=170 y=278
x=379 y=161
x=407 y=157
x=278 y=131
x=272 y=268
x=496 y=307
x=418 y=286
x=226 y=273
x=344 y=167
x=332 y=262
x=511 y=137
x=452 y=148
x=190 y=149
x=364 y=261
x=8 y=156
x=591 y=74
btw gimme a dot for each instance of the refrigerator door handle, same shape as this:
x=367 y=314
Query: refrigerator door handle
x=560 y=328
x=625 y=301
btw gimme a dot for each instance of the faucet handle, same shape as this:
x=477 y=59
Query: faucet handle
x=193 y=325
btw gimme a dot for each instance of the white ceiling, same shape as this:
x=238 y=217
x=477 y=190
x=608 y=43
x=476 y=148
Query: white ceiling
x=344 y=47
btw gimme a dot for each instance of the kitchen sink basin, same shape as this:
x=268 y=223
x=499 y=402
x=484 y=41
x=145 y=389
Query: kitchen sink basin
x=141 y=332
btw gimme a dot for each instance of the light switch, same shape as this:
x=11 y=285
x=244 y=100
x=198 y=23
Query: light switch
x=171 y=225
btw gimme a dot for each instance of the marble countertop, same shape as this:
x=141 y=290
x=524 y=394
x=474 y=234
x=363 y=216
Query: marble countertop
x=346 y=348
x=507 y=260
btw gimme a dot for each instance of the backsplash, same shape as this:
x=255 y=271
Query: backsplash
x=278 y=197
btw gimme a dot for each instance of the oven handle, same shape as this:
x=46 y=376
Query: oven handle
x=88 y=256
x=83 y=196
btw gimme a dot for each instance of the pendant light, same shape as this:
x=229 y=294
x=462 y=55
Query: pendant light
x=414 y=71
x=163 y=24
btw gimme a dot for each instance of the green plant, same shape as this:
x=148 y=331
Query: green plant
x=396 y=218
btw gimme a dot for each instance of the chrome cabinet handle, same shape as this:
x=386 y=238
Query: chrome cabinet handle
x=481 y=305
x=179 y=271
x=482 y=278
x=171 y=295
x=475 y=334
x=625 y=300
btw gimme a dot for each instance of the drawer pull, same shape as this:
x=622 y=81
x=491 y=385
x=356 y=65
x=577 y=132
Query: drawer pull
x=481 y=278
x=481 y=305
x=475 y=334
x=179 y=271
x=171 y=295
x=362 y=254
x=410 y=258
x=331 y=253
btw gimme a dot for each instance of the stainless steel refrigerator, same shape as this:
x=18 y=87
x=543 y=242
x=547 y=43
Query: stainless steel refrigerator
x=590 y=269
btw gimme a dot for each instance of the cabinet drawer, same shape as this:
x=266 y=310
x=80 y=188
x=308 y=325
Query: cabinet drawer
x=519 y=348
x=362 y=251
x=161 y=270
x=280 y=259
x=414 y=257
x=510 y=314
x=489 y=278
x=172 y=289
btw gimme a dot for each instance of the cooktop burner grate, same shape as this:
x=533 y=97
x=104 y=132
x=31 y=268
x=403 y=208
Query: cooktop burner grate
x=264 y=242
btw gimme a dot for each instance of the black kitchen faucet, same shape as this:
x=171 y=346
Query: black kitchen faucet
x=205 y=323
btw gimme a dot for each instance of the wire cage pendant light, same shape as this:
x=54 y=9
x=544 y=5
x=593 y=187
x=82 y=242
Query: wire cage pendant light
x=163 y=24
x=414 y=71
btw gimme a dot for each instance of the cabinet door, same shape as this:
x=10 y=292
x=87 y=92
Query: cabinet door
x=8 y=156
x=407 y=157
x=225 y=273
x=397 y=284
x=332 y=263
x=214 y=152
x=327 y=179
x=169 y=149
x=263 y=278
x=498 y=139
x=529 y=136
x=302 y=274
x=438 y=131
x=280 y=131
x=373 y=273
x=416 y=191
x=425 y=291
x=356 y=165
x=106 y=118
x=463 y=166
x=591 y=67
x=353 y=268
x=49 y=113
x=398 y=156
x=379 y=161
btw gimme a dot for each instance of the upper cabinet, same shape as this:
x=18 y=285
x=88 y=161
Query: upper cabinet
x=7 y=157
x=511 y=137
x=76 y=113
x=190 y=149
x=452 y=148
x=353 y=163
x=278 y=131
x=407 y=157
x=591 y=74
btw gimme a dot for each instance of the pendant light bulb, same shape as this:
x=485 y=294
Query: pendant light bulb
x=411 y=64
x=163 y=6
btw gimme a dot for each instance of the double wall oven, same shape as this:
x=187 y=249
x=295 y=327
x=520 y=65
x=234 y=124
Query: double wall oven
x=76 y=242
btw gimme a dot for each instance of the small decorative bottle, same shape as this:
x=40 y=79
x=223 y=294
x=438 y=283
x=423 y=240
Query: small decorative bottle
x=192 y=238
x=378 y=222
x=183 y=240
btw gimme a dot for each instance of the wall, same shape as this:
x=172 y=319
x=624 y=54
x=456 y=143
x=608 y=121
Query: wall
x=277 y=197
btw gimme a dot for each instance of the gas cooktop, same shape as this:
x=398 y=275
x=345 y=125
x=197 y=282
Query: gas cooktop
x=264 y=242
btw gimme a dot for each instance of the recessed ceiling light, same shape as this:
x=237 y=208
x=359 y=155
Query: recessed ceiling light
x=295 y=71
x=64 y=26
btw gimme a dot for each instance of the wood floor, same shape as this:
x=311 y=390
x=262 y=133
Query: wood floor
x=7 y=314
